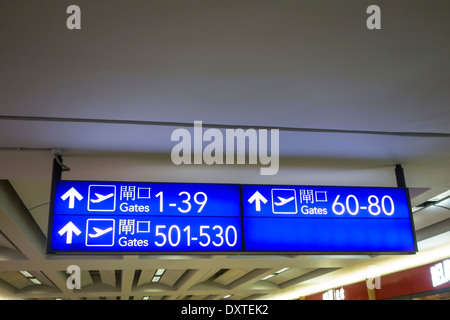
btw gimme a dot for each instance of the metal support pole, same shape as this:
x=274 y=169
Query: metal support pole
x=401 y=183
x=400 y=176
x=56 y=176
x=57 y=169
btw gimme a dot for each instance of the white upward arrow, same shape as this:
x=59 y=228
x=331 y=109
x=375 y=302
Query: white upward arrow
x=70 y=229
x=257 y=198
x=72 y=194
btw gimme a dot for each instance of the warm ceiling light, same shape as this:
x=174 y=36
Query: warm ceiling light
x=359 y=272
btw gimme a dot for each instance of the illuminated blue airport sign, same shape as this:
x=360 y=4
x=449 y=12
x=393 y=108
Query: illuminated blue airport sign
x=145 y=217
x=330 y=219
x=127 y=217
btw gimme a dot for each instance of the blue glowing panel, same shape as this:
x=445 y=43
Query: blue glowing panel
x=145 y=217
x=326 y=219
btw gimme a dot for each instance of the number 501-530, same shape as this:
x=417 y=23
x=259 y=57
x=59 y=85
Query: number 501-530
x=217 y=235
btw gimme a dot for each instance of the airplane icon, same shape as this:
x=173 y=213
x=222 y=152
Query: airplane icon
x=99 y=232
x=101 y=198
x=283 y=201
x=102 y=232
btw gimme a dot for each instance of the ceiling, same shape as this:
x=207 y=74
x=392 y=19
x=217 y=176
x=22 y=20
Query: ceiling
x=350 y=104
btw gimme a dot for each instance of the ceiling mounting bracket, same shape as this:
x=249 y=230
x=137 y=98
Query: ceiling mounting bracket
x=56 y=152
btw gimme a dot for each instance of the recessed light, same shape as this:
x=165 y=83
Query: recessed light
x=145 y=297
x=227 y=296
x=433 y=201
x=269 y=276
x=35 y=281
x=26 y=274
x=159 y=272
x=156 y=279
x=441 y=196
x=282 y=270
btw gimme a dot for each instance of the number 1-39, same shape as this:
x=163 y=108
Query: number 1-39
x=199 y=198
